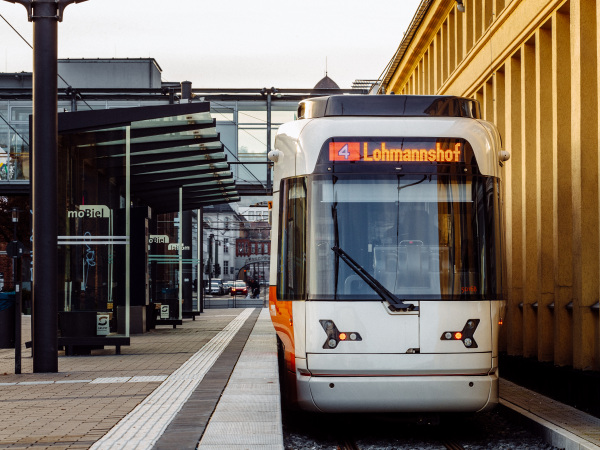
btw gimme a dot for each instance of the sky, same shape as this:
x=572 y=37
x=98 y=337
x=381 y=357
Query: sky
x=226 y=43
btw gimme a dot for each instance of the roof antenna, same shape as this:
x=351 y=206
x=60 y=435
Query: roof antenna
x=326 y=66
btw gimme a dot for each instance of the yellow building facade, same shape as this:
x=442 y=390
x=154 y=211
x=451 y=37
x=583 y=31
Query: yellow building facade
x=533 y=65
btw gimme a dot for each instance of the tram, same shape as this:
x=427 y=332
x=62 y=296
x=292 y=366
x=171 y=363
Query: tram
x=387 y=255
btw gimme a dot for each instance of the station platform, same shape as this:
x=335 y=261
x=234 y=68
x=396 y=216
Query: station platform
x=209 y=384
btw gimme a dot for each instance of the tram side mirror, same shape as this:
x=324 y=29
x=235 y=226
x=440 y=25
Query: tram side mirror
x=274 y=155
x=503 y=155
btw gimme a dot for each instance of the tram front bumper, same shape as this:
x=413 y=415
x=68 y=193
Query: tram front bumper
x=447 y=393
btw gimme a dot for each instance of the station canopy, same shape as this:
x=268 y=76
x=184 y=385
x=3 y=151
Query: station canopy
x=170 y=147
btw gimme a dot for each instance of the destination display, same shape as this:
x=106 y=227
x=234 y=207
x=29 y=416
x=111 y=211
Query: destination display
x=447 y=151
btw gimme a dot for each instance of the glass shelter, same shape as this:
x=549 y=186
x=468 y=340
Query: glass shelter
x=119 y=169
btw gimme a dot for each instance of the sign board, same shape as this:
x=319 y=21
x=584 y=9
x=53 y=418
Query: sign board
x=374 y=152
x=102 y=324
x=164 y=311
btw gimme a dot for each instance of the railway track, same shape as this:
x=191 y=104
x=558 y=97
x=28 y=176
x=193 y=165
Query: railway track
x=347 y=443
x=452 y=445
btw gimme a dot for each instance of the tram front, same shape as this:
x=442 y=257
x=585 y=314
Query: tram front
x=390 y=251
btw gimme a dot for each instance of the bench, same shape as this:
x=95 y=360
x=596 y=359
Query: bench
x=173 y=322
x=84 y=344
x=190 y=314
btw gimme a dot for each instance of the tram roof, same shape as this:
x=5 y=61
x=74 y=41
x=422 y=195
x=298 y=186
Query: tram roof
x=389 y=106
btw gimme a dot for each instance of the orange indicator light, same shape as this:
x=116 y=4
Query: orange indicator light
x=458 y=335
x=343 y=336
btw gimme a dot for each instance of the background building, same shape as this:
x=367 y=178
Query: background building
x=533 y=65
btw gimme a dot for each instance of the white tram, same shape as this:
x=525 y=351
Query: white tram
x=388 y=255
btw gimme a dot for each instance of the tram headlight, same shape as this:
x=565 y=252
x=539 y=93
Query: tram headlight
x=332 y=343
x=468 y=342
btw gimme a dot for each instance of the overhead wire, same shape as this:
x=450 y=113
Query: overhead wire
x=31 y=46
x=216 y=103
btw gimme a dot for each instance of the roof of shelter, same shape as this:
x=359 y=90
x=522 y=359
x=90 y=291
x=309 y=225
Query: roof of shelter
x=171 y=147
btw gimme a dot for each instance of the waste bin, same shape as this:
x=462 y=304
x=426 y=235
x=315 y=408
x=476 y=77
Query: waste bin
x=7 y=320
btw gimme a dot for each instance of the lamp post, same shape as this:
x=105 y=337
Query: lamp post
x=45 y=15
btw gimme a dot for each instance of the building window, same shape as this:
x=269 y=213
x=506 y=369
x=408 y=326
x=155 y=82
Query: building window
x=225 y=267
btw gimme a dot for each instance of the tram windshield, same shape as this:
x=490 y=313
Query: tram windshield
x=420 y=236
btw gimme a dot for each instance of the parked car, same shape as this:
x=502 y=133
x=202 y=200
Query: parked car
x=216 y=287
x=239 y=288
x=227 y=285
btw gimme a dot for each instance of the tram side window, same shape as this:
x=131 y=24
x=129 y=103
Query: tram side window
x=291 y=266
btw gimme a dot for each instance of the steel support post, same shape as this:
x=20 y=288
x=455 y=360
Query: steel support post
x=268 y=167
x=200 y=283
x=44 y=186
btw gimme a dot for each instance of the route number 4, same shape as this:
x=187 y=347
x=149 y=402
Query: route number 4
x=344 y=151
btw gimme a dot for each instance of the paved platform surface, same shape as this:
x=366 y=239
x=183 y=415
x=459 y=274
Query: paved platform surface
x=210 y=384
x=161 y=392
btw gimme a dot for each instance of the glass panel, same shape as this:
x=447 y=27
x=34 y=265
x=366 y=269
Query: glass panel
x=92 y=229
x=247 y=116
x=222 y=113
x=420 y=236
x=20 y=113
x=18 y=162
x=164 y=265
x=23 y=229
x=283 y=116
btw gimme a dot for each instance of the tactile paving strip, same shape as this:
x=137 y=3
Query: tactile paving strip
x=142 y=427
x=248 y=415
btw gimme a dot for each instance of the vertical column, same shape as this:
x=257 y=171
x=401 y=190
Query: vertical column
x=584 y=170
x=498 y=7
x=418 y=79
x=468 y=26
x=437 y=51
x=200 y=284
x=562 y=191
x=529 y=204
x=426 y=73
x=514 y=219
x=488 y=100
x=445 y=54
x=480 y=99
x=44 y=188
x=180 y=252
x=499 y=119
x=488 y=14
x=459 y=36
x=128 y=229
x=451 y=41
x=499 y=103
x=545 y=182
x=422 y=70
x=477 y=17
x=186 y=223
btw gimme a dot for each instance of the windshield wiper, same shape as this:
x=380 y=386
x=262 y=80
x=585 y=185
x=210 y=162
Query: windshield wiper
x=395 y=303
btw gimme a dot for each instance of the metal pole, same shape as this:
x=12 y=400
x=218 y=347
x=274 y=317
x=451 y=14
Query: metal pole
x=17 y=285
x=44 y=186
x=200 y=283
x=268 y=138
x=45 y=15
